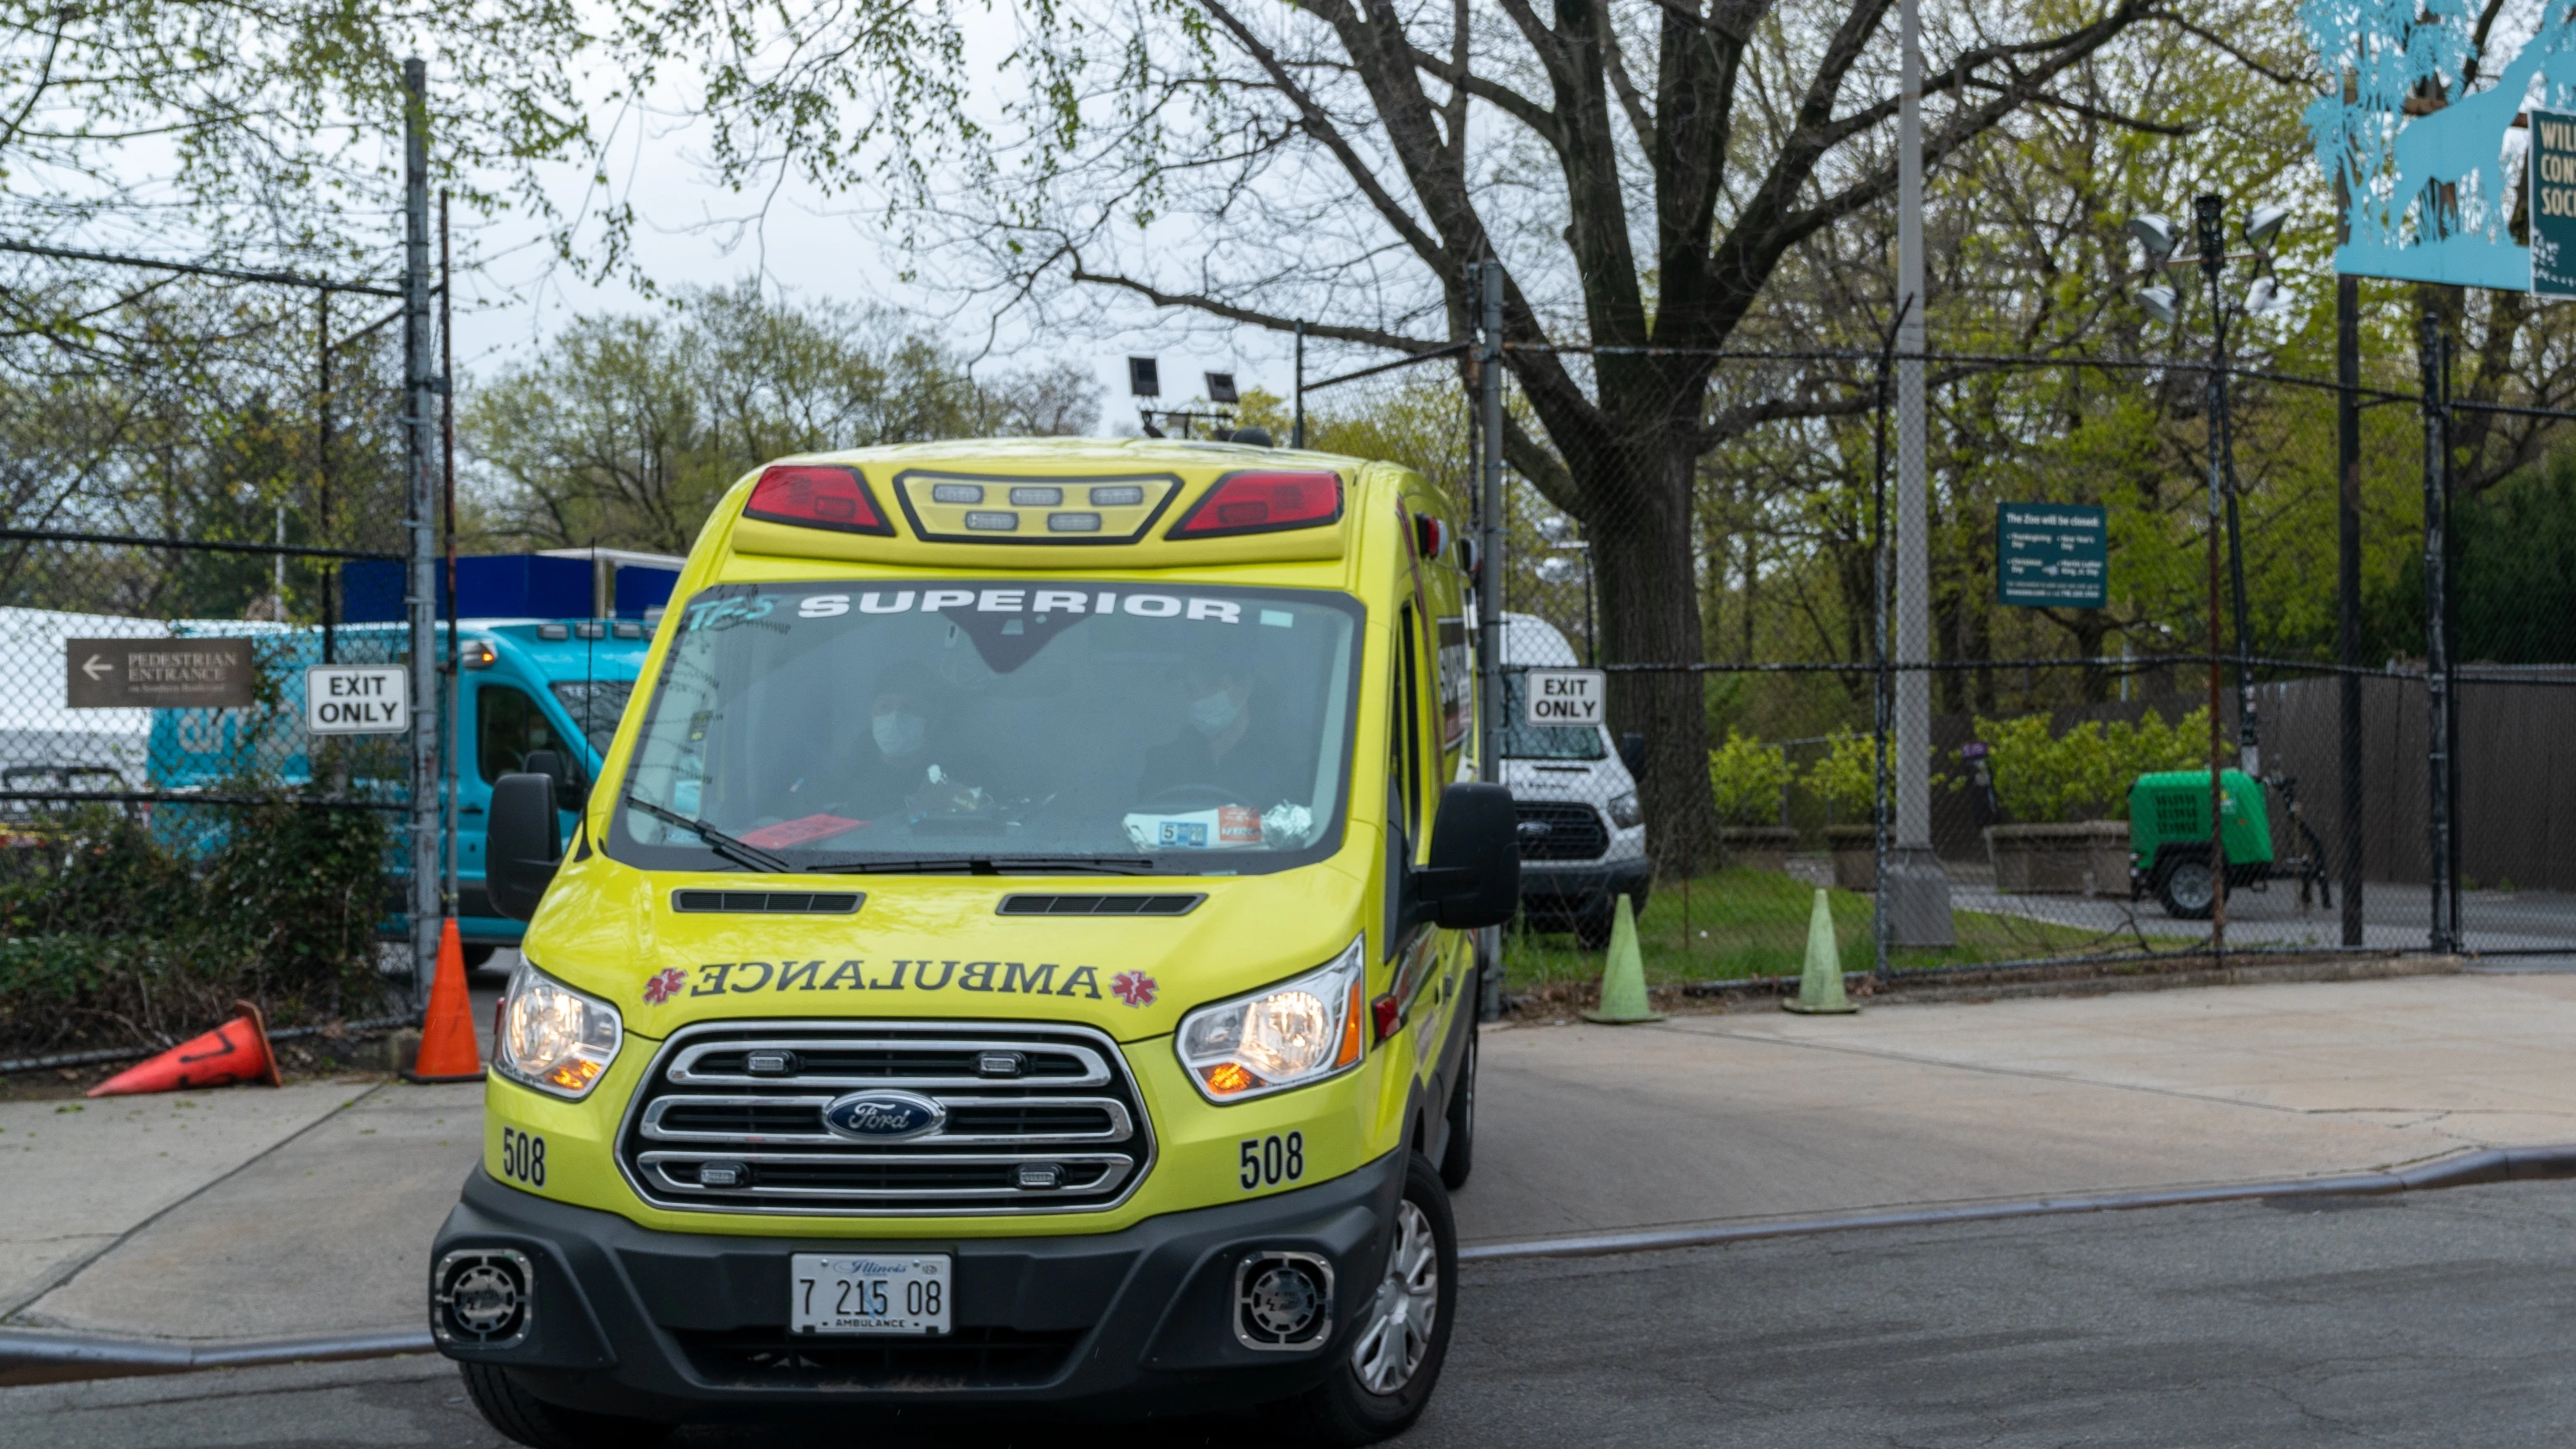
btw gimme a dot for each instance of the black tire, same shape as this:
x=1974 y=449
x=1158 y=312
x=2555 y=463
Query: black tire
x=532 y=1421
x=2186 y=887
x=1458 y=1155
x=1345 y=1411
x=478 y=952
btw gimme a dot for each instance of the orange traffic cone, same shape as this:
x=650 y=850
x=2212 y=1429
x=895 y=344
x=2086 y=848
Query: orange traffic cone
x=447 y=1051
x=236 y=1051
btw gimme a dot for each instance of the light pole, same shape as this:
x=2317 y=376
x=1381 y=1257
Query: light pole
x=2159 y=239
x=1559 y=533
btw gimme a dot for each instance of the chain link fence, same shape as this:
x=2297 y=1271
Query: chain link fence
x=2010 y=741
x=191 y=456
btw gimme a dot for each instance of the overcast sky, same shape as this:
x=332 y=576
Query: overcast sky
x=684 y=237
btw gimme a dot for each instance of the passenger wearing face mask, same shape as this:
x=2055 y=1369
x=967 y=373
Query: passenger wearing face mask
x=1229 y=742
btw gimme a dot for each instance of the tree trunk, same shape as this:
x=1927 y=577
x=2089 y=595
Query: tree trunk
x=1640 y=530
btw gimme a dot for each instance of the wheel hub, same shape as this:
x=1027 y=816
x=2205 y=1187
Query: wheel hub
x=1397 y=1331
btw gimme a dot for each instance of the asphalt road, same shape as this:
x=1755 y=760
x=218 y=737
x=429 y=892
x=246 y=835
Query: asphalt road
x=2432 y=1319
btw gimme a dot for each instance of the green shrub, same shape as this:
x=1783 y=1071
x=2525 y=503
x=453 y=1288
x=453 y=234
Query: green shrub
x=1846 y=778
x=1747 y=777
x=110 y=932
x=2085 y=773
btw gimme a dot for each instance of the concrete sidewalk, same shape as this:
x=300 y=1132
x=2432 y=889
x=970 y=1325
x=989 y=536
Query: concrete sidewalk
x=1708 y=1119
x=252 y=1213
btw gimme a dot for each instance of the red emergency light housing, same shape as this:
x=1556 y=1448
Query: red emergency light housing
x=817 y=495
x=1264 y=501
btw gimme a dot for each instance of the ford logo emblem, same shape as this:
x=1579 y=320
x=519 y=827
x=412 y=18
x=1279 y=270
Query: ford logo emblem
x=883 y=1115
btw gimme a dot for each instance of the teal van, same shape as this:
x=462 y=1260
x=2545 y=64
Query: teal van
x=529 y=690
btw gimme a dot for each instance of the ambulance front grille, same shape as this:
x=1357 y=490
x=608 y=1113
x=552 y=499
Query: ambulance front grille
x=1031 y=1119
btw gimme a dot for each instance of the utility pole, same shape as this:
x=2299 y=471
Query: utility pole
x=1489 y=575
x=1297 y=393
x=418 y=419
x=1915 y=894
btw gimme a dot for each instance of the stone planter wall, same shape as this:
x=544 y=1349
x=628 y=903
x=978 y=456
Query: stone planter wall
x=2089 y=858
x=1764 y=847
x=1855 y=850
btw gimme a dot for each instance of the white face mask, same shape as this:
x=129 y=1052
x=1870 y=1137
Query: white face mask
x=1211 y=715
x=899 y=734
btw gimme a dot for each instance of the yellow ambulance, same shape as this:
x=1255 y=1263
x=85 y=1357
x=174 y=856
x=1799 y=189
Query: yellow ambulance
x=1019 y=954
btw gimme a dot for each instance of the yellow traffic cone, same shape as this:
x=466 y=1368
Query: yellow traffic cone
x=1820 y=985
x=1623 y=976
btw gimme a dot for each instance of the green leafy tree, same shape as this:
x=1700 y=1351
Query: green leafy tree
x=629 y=428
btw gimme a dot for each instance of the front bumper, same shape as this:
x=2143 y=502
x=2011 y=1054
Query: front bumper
x=1550 y=886
x=674 y=1326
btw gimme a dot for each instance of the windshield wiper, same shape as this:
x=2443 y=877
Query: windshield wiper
x=740 y=852
x=989 y=865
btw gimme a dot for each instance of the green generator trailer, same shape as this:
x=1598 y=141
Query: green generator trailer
x=2169 y=839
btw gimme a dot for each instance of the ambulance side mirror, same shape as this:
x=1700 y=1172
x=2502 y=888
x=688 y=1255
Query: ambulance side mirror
x=522 y=843
x=1474 y=878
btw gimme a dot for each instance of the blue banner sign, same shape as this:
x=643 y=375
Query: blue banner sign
x=2428 y=188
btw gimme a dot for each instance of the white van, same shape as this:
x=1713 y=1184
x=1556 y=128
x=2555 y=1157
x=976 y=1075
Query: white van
x=1582 y=834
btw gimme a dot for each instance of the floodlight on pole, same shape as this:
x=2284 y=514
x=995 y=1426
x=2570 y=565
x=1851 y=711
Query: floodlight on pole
x=2266 y=297
x=2264 y=225
x=2156 y=235
x=2160 y=303
x=1220 y=388
x=1144 y=377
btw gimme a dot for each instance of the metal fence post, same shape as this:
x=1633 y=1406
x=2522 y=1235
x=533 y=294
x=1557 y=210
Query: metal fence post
x=1882 y=702
x=2437 y=653
x=2348 y=588
x=1489 y=570
x=423 y=589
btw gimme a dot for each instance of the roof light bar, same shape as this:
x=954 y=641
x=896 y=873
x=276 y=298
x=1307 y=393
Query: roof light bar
x=817 y=495
x=1265 y=501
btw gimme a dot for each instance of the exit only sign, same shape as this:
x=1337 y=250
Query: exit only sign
x=357 y=699
x=1566 y=697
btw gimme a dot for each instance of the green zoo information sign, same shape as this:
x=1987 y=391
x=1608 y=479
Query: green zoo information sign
x=2053 y=555
x=2552 y=189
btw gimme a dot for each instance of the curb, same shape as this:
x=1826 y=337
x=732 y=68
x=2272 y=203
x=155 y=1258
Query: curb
x=43 y=1358
x=2465 y=1169
x=48 y=1358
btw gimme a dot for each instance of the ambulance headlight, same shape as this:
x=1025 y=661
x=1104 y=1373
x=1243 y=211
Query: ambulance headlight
x=1302 y=1030
x=552 y=1037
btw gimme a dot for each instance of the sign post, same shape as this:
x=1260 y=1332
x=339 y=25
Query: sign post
x=2053 y=555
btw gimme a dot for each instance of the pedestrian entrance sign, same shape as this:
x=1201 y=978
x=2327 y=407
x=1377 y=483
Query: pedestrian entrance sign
x=357 y=699
x=2053 y=555
x=1567 y=697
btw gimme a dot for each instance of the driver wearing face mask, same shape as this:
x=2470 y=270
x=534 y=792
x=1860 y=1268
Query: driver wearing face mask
x=912 y=770
x=1229 y=743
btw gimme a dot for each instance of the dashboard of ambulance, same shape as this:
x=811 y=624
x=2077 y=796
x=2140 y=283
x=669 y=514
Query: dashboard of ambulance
x=1002 y=726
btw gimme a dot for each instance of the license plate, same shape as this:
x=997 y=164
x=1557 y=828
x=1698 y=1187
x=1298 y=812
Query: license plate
x=895 y=1293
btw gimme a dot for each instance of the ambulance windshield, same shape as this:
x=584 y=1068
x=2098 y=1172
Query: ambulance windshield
x=1009 y=725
